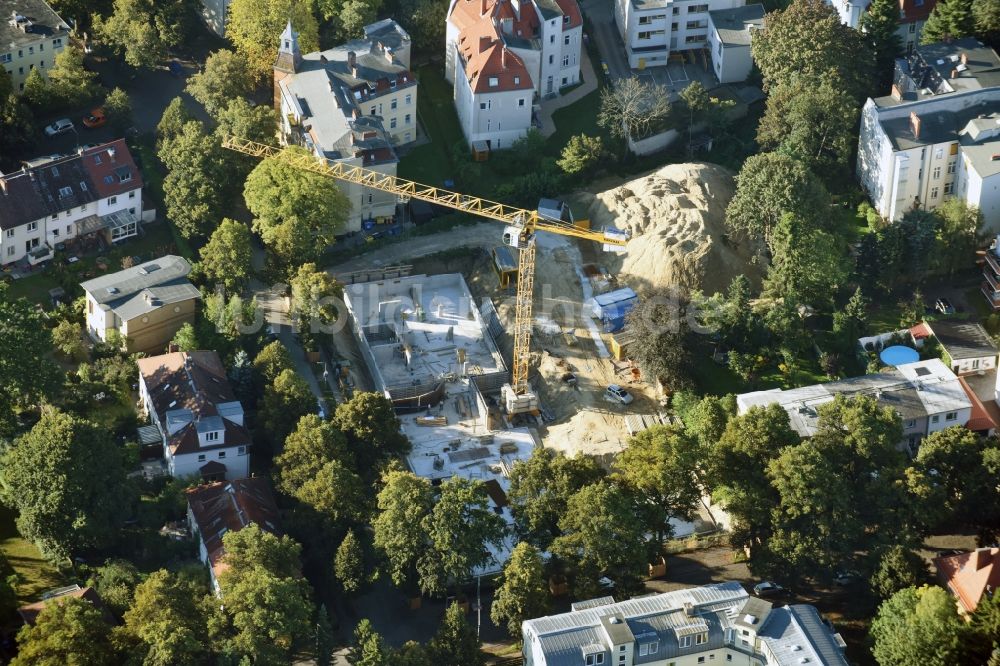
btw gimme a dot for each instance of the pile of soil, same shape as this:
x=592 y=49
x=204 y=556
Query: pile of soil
x=676 y=218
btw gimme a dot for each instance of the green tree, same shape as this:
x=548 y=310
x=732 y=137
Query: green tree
x=659 y=466
x=879 y=25
x=349 y=563
x=456 y=642
x=540 y=489
x=523 y=594
x=948 y=467
x=240 y=119
x=71 y=631
x=254 y=27
x=426 y=23
x=601 y=534
x=223 y=78
x=315 y=295
x=172 y=122
x=66 y=479
x=115 y=582
x=18 y=123
x=197 y=181
x=143 y=31
x=460 y=528
x=326 y=640
x=707 y=419
x=67 y=338
x=372 y=429
x=404 y=503
x=336 y=494
x=69 y=82
x=768 y=186
x=267 y=600
x=368 y=648
x=296 y=213
x=286 y=401
x=307 y=450
x=950 y=19
x=662 y=339
x=959 y=224
x=807 y=39
x=581 y=154
x=806 y=263
x=165 y=624
x=851 y=322
x=898 y=569
x=272 y=360
x=350 y=16
x=813 y=123
x=227 y=258
x=185 y=339
x=986 y=15
x=918 y=626
x=118 y=110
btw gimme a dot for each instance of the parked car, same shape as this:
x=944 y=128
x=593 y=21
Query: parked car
x=944 y=306
x=844 y=578
x=618 y=394
x=768 y=589
x=95 y=118
x=60 y=126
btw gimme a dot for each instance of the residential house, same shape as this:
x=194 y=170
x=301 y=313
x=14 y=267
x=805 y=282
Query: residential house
x=188 y=398
x=351 y=104
x=97 y=192
x=228 y=506
x=29 y=613
x=729 y=35
x=927 y=396
x=968 y=347
x=501 y=54
x=912 y=17
x=717 y=623
x=970 y=576
x=937 y=134
x=31 y=36
x=146 y=304
x=656 y=30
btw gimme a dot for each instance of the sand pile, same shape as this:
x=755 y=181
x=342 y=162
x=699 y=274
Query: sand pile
x=676 y=216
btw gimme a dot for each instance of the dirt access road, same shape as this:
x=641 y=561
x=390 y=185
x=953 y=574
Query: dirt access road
x=583 y=420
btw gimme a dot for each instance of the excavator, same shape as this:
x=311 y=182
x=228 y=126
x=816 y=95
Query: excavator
x=522 y=225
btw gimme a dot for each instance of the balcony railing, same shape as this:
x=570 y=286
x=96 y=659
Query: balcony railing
x=992 y=279
x=992 y=297
x=993 y=261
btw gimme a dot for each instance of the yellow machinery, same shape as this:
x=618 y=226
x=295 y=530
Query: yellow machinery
x=519 y=233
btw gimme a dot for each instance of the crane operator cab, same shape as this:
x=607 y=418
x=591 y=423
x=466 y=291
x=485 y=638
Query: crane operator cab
x=517 y=236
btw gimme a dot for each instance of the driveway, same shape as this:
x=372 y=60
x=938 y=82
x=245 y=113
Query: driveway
x=604 y=32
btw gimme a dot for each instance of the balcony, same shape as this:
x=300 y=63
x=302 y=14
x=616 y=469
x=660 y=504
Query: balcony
x=993 y=262
x=992 y=297
x=994 y=281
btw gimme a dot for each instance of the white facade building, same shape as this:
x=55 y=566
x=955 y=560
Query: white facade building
x=912 y=17
x=729 y=35
x=98 y=191
x=654 y=29
x=937 y=135
x=31 y=35
x=188 y=398
x=501 y=54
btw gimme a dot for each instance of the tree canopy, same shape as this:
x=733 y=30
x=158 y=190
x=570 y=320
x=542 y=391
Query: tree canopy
x=143 y=31
x=523 y=595
x=254 y=27
x=223 y=78
x=286 y=400
x=950 y=19
x=70 y=631
x=918 y=626
x=404 y=503
x=227 y=258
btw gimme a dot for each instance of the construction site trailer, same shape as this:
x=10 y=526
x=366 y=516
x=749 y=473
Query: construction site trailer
x=505 y=265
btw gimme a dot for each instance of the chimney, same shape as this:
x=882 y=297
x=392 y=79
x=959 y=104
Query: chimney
x=352 y=60
x=896 y=93
x=915 y=124
x=965 y=58
x=503 y=58
x=111 y=154
x=954 y=73
x=3 y=185
x=484 y=7
x=484 y=43
x=982 y=557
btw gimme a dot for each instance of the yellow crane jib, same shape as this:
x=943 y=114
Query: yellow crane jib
x=522 y=225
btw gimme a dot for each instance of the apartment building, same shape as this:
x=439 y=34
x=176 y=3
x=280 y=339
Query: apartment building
x=729 y=35
x=937 y=134
x=31 y=35
x=654 y=29
x=187 y=396
x=912 y=17
x=712 y=624
x=927 y=396
x=352 y=104
x=502 y=54
x=95 y=192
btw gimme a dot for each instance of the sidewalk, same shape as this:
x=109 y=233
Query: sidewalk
x=550 y=106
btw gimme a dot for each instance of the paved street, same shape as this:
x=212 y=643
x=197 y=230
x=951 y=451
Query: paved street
x=605 y=33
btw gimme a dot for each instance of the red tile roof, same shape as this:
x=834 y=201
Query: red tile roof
x=111 y=168
x=496 y=63
x=980 y=419
x=921 y=331
x=572 y=10
x=229 y=506
x=481 y=44
x=970 y=575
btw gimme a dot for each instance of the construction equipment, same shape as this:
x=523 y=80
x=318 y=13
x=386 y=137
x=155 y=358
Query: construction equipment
x=522 y=224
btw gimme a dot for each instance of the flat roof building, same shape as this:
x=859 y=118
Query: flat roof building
x=31 y=35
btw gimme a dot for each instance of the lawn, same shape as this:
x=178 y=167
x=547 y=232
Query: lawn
x=36 y=574
x=715 y=379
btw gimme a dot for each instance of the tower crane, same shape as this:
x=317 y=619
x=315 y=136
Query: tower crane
x=522 y=226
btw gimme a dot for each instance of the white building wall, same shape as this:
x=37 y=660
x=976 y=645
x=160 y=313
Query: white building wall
x=189 y=464
x=938 y=422
x=40 y=55
x=652 y=33
x=569 y=59
x=532 y=59
x=500 y=117
x=967 y=366
x=731 y=64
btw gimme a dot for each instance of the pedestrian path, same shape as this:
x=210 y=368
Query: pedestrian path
x=550 y=106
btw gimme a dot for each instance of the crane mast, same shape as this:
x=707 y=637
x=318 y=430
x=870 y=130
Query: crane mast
x=522 y=225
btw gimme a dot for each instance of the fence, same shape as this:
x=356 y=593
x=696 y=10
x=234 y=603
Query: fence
x=653 y=144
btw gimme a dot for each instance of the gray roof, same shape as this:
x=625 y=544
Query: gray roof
x=42 y=23
x=143 y=288
x=664 y=618
x=388 y=33
x=549 y=9
x=981 y=70
x=963 y=339
x=734 y=25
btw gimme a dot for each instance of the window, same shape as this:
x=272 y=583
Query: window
x=392 y=123
x=6 y=57
x=56 y=43
x=482 y=106
x=241 y=451
x=31 y=50
x=55 y=216
x=936 y=173
x=69 y=229
x=131 y=195
x=566 y=40
x=41 y=47
x=65 y=191
x=406 y=119
x=701 y=660
x=10 y=251
x=372 y=112
x=694 y=39
x=565 y=62
x=112 y=201
x=10 y=233
x=697 y=9
x=951 y=416
x=552 y=39
x=393 y=105
x=566 y=20
x=124 y=177
x=954 y=149
x=222 y=454
x=673 y=27
x=685 y=642
x=564 y=80
x=55 y=233
x=552 y=58
x=645 y=20
x=201 y=457
x=517 y=80
x=677 y=10
x=911 y=423
x=913 y=27
x=949 y=188
x=32 y=226
x=975 y=364
x=371 y=197
x=408 y=99
x=934 y=193
x=694 y=25
x=494 y=82
x=212 y=436
x=952 y=165
x=700 y=639
x=520 y=102
x=936 y=418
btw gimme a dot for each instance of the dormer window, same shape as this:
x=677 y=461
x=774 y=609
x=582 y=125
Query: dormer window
x=65 y=191
x=649 y=648
x=701 y=639
x=494 y=82
x=212 y=436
